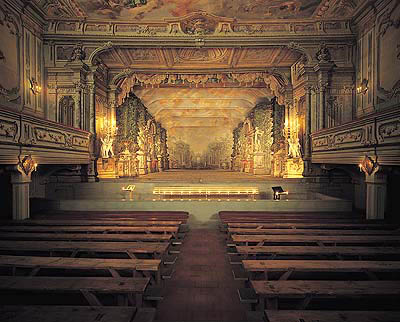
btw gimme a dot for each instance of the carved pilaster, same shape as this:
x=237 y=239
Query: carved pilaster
x=307 y=152
x=323 y=68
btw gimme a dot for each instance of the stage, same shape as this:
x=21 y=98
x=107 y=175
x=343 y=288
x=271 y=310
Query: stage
x=305 y=194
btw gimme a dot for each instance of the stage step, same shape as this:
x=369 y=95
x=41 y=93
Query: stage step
x=236 y=259
x=153 y=293
x=184 y=228
x=174 y=249
x=255 y=316
x=170 y=259
x=166 y=273
x=239 y=274
x=247 y=296
x=145 y=315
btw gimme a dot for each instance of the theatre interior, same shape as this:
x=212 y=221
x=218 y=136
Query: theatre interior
x=199 y=161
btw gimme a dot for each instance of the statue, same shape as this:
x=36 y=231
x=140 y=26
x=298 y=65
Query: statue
x=258 y=139
x=141 y=140
x=78 y=53
x=294 y=147
x=107 y=146
x=323 y=54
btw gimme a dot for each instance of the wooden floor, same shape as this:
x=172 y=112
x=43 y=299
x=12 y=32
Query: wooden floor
x=202 y=288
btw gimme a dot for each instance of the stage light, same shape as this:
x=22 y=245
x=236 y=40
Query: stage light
x=278 y=191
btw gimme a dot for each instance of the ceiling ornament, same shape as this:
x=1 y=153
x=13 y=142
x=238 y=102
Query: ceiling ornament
x=77 y=53
x=199 y=25
x=336 y=8
x=274 y=82
x=323 y=54
x=62 y=9
x=201 y=54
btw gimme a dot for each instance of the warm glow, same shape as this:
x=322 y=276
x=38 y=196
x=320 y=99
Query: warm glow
x=34 y=86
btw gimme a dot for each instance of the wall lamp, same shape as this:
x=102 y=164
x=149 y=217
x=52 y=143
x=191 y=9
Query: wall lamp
x=35 y=87
x=369 y=166
x=363 y=88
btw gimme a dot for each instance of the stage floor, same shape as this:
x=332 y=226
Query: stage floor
x=203 y=176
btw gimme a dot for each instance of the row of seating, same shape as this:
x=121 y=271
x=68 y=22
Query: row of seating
x=97 y=265
x=314 y=267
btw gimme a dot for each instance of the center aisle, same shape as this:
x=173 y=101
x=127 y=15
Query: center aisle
x=202 y=287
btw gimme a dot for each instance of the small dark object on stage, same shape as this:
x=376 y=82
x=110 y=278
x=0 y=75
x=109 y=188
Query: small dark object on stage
x=278 y=191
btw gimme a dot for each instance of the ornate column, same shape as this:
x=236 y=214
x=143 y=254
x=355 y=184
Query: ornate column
x=307 y=150
x=322 y=106
x=323 y=68
x=376 y=182
x=92 y=174
x=20 y=180
x=376 y=195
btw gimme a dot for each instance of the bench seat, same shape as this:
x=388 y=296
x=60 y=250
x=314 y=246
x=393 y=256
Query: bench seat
x=87 y=286
x=148 y=266
x=307 y=290
x=331 y=316
x=86 y=237
x=41 y=313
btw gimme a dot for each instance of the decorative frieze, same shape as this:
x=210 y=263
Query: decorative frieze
x=8 y=130
x=50 y=136
x=198 y=24
x=353 y=136
x=40 y=133
x=389 y=130
x=372 y=132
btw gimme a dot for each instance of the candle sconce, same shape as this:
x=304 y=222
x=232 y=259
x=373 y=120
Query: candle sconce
x=363 y=88
x=34 y=86
x=368 y=166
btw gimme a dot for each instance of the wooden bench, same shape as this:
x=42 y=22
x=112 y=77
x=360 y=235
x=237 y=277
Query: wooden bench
x=149 y=267
x=104 y=222
x=327 y=232
x=76 y=314
x=156 y=250
x=285 y=215
x=321 y=240
x=86 y=237
x=270 y=292
x=331 y=316
x=292 y=220
x=92 y=229
x=287 y=267
x=318 y=251
x=255 y=225
x=206 y=191
x=151 y=216
x=132 y=288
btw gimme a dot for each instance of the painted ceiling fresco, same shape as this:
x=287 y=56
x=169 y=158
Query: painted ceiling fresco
x=193 y=58
x=159 y=10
